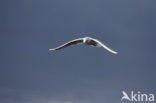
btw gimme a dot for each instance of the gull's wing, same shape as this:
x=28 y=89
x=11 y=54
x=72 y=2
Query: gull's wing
x=73 y=42
x=104 y=46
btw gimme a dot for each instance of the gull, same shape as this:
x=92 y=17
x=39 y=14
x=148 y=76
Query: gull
x=125 y=96
x=86 y=40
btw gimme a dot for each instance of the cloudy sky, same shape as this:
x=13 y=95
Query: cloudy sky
x=29 y=73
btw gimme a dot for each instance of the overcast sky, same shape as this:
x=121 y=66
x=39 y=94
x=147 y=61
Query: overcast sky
x=29 y=73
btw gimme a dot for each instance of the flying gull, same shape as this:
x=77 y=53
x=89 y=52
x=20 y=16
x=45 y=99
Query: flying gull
x=86 y=40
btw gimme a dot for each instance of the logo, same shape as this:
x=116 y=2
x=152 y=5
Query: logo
x=138 y=96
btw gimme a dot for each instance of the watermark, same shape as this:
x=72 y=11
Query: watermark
x=137 y=97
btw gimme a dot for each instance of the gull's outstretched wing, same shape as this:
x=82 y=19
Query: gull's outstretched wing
x=104 y=46
x=73 y=42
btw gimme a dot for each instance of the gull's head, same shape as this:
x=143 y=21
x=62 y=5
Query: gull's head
x=85 y=39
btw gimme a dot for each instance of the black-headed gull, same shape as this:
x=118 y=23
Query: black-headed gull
x=86 y=40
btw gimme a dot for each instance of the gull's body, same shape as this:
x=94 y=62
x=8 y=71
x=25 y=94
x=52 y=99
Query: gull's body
x=86 y=40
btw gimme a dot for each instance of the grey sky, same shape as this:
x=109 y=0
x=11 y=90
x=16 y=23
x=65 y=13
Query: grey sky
x=29 y=73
